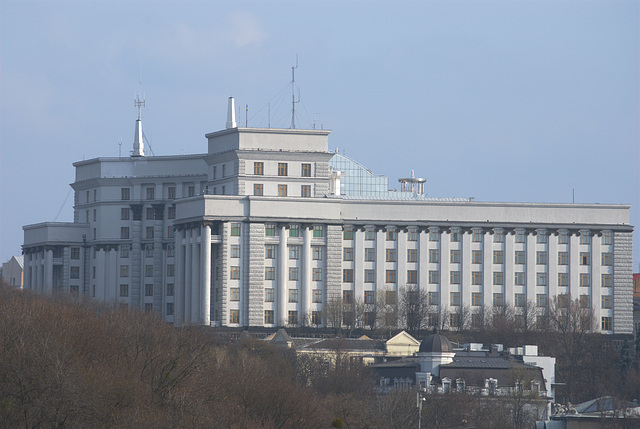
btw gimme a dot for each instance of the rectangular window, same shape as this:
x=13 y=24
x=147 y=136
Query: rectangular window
x=519 y=257
x=607 y=237
x=235 y=229
x=282 y=169
x=607 y=323
x=270 y=251
x=370 y=254
x=258 y=168
x=585 y=238
x=124 y=271
x=369 y=297
x=476 y=237
x=519 y=300
x=269 y=317
x=519 y=279
x=347 y=234
x=171 y=213
x=171 y=268
x=317 y=274
x=542 y=238
x=585 y=279
x=171 y=251
x=234 y=294
x=607 y=259
x=149 y=233
x=412 y=255
x=234 y=316
x=293 y=273
x=258 y=189
x=432 y=298
x=124 y=232
x=521 y=236
x=563 y=258
x=125 y=194
x=391 y=235
x=585 y=301
x=347 y=296
x=563 y=237
x=148 y=290
x=124 y=213
x=434 y=277
x=476 y=277
x=171 y=192
x=124 y=251
x=294 y=230
x=498 y=237
x=294 y=252
x=454 y=298
x=498 y=278
x=269 y=230
x=541 y=279
x=149 y=213
x=454 y=257
x=476 y=256
x=390 y=276
x=390 y=255
x=563 y=279
x=347 y=275
x=390 y=297
x=74 y=273
x=305 y=191
x=170 y=289
x=434 y=255
x=498 y=257
x=151 y=193
x=269 y=295
x=498 y=299
x=542 y=300
x=191 y=191
x=369 y=276
x=148 y=270
x=124 y=291
x=434 y=236
x=282 y=190
x=269 y=273
x=234 y=251
x=541 y=257
x=75 y=253
x=607 y=301
x=293 y=317
x=316 y=296
x=455 y=236
x=234 y=272
x=412 y=276
x=454 y=277
x=347 y=254
x=171 y=232
x=607 y=280
x=476 y=299
x=369 y=233
x=293 y=295
x=413 y=234
x=563 y=300
x=316 y=252
x=316 y=318
x=170 y=308
x=306 y=170
x=148 y=251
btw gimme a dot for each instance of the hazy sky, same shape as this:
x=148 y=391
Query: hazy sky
x=519 y=101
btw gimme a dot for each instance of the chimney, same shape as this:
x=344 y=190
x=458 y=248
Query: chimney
x=231 y=114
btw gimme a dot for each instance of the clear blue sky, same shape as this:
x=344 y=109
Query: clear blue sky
x=499 y=100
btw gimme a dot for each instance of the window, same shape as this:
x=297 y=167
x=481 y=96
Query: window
x=317 y=274
x=542 y=238
x=294 y=252
x=268 y=295
x=293 y=317
x=269 y=273
x=149 y=233
x=171 y=251
x=124 y=232
x=476 y=237
x=412 y=255
x=270 y=251
x=455 y=236
x=269 y=230
x=476 y=299
x=171 y=232
x=607 y=280
x=563 y=300
x=316 y=318
x=607 y=259
x=519 y=300
x=347 y=296
x=93 y=272
x=390 y=297
x=432 y=298
x=125 y=194
x=148 y=290
x=148 y=270
x=498 y=257
x=519 y=279
x=316 y=296
x=293 y=273
x=306 y=170
x=498 y=300
x=541 y=257
x=151 y=193
x=258 y=189
x=171 y=213
x=171 y=270
x=169 y=308
x=434 y=277
x=413 y=233
x=347 y=254
x=585 y=238
x=476 y=256
x=434 y=255
x=390 y=255
x=607 y=301
x=234 y=316
x=519 y=257
x=434 y=235
x=258 y=168
x=369 y=233
x=454 y=257
x=235 y=229
x=521 y=236
x=170 y=289
x=542 y=300
x=454 y=322
x=269 y=317
x=223 y=190
x=148 y=251
x=585 y=301
x=74 y=273
x=585 y=279
x=477 y=321
x=369 y=297
x=294 y=230
x=498 y=278
x=607 y=323
x=124 y=213
x=563 y=258
x=282 y=169
x=498 y=236
x=454 y=277
x=282 y=190
x=370 y=254
x=124 y=291
x=316 y=252
x=412 y=277
x=347 y=275
x=563 y=237
x=75 y=253
x=234 y=251
x=476 y=277
x=454 y=298
x=124 y=271
x=234 y=294
x=224 y=173
x=390 y=276
x=347 y=234
x=370 y=318
x=541 y=279
x=124 y=251
x=369 y=276
x=234 y=272
x=607 y=237
x=171 y=192
x=391 y=234
x=293 y=295
x=149 y=213
x=563 y=279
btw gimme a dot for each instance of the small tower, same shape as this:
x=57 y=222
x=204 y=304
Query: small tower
x=138 y=142
x=412 y=184
x=231 y=114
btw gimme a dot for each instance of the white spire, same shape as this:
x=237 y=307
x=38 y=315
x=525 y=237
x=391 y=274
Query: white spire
x=138 y=142
x=231 y=114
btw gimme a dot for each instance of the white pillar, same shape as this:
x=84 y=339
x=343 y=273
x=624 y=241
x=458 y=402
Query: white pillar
x=306 y=272
x=178 y=312
x=48 y=270
x=205 y=275
x=187 y=275
x=281 y=279
x=196 y=317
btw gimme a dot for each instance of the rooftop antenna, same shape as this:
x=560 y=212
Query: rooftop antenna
x=138 y=141
x=293 y=94
x=120 y=149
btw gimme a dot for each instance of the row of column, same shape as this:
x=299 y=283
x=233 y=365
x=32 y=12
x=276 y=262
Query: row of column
x=193 y=276
x=38 y=270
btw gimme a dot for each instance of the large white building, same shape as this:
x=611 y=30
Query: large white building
x=268 y=226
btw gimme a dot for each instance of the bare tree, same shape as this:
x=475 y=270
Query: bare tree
x=461 y=317
x=413 y=307
x=387 y=309
x=332 y=312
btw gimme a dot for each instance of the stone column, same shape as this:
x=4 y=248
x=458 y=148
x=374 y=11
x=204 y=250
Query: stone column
x=48 y=270
x=281 y=278
x=307 y=232
x=196 y=317
x=205 y=275
x=179 y=285
x=188 y=249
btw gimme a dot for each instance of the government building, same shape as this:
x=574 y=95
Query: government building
x=269 y=227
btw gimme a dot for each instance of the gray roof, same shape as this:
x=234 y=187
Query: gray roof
x=435 y=343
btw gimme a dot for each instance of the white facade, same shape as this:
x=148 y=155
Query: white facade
x=250 y=234
x=12 y=271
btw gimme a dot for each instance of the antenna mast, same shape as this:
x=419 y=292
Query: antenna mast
x=293 y=94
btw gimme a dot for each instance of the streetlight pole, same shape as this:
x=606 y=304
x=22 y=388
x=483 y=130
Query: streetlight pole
x=419 y=400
